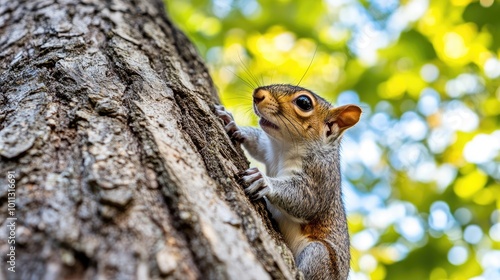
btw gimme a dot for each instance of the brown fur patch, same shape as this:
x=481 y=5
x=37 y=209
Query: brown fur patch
x=316 y=231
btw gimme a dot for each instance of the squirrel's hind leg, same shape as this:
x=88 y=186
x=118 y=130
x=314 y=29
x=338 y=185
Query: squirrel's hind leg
x=315 y=261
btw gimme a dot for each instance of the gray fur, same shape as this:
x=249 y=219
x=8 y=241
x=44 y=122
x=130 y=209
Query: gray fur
x=315 y=194
x=302 y=189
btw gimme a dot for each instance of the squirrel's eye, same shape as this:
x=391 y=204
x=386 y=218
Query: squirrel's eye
x=304 y=103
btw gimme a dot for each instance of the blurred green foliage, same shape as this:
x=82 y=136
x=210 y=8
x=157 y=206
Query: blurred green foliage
x=422 y=168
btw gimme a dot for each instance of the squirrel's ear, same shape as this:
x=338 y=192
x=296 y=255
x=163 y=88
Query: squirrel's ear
x=344 y=116
x=348 y=116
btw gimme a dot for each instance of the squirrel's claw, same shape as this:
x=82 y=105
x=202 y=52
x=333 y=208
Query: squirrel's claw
x=260 y=192
x=231 y=128
x=224 y=115
x=250 y=171
x=229 y=125
x=238 y=136
x=256 y=183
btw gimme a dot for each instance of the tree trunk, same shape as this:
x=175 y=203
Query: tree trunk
x=113 y=164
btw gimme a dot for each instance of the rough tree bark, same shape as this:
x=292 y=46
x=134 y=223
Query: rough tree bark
x=122 y=170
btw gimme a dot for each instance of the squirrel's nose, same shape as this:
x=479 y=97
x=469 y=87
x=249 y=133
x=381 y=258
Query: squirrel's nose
x=258 y=96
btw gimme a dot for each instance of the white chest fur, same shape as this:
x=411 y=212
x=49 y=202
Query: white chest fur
x=281 y=161
x=290 y=229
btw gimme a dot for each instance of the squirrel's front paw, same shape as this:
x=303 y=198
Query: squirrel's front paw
x=256 y=184
x=230 y=126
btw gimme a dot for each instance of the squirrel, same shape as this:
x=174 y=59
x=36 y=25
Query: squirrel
x=300 y=146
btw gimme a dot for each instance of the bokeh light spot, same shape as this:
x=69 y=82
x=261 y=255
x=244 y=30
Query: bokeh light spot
x=458 y=255
x=473 y=234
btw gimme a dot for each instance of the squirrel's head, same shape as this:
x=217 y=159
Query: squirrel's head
x=292 y=113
